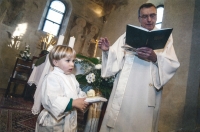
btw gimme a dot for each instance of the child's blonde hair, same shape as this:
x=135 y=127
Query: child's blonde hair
x=61 y=51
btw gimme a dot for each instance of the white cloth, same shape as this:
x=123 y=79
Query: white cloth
x=93 y=117
x=36 y=74
x=57 y=89
x=37 y=77
x=135 y=99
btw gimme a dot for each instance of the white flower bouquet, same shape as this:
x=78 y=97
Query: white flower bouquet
x=92 y=75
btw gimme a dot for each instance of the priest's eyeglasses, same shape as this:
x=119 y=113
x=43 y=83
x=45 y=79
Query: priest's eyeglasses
x=152 y=16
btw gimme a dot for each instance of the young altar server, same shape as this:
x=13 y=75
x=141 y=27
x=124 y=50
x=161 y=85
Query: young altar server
x=60 y=94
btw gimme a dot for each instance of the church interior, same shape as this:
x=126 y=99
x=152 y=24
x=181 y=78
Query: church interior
x=84 y=22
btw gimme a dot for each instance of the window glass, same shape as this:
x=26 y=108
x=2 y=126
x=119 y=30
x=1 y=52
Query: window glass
x=58 y=5
x=159 y=25
x=51 y=27
x=160 y=11
x=54 y=17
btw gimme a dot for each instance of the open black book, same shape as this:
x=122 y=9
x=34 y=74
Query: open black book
x=137 y=37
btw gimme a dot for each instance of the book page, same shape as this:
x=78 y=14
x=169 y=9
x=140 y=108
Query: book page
x=139 y=27
x=95 y=99
x=160 y=29
x=129 y=48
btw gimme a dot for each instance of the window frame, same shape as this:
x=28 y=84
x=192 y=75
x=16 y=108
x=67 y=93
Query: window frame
x=50 y=8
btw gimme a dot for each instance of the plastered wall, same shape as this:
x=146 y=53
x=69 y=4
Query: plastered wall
x=18 y=18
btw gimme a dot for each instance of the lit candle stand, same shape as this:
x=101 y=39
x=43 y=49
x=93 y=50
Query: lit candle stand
x=71 y=42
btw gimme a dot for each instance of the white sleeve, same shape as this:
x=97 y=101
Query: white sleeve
x=53 y=96
x=167 y=64
x=112 y=61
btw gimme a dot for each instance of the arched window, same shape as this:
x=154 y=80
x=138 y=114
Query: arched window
x=160 y=10
x=54 y=17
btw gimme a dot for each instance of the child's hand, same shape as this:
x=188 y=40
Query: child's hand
x=80 y=104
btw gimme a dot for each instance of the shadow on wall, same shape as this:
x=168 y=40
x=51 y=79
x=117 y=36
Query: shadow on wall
x=9 y=50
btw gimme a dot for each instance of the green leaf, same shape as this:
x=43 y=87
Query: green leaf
x=81 y=79
x=104 y=85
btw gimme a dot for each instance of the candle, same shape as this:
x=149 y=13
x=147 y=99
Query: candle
x=71 y=42
x=95 y=49
x=60 y=40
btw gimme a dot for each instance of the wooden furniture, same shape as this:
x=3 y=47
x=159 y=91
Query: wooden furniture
x=103 y=110
x=19 y=77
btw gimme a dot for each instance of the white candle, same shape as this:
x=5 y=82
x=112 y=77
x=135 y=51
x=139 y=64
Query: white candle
x=71 y=42
x=60 y=40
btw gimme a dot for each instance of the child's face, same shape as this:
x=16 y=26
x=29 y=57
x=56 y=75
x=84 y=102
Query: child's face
x=66 y=64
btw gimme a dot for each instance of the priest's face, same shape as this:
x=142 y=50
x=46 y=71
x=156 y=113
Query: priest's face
x=148 y=17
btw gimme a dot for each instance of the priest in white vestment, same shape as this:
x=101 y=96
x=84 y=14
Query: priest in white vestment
x=136 y=96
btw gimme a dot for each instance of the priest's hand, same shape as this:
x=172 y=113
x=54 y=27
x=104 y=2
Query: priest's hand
x=103 y=44
x=146 y=54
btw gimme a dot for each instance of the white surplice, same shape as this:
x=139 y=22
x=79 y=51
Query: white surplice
x=37 y=77
x=135 y=99
x=56 y=91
